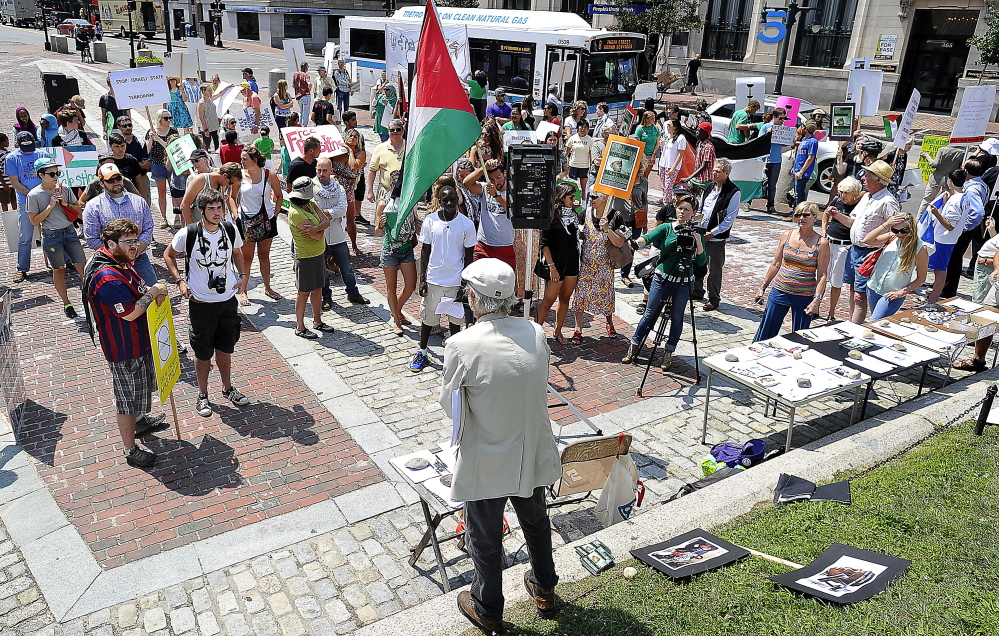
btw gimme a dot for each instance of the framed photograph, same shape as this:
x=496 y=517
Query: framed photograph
x=841 y=119
x=691 y=553
x=621 y=162
x=844 y=574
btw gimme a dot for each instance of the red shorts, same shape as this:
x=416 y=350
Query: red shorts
x=505 y=254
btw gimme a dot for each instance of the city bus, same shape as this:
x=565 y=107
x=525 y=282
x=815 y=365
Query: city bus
x=147 y=18
x=516 y=50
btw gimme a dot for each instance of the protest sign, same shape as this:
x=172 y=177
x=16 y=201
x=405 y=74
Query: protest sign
x=645 y=91
x=182 y=65
x=747 y=88
x=931 y=145
x=864 y=88
x=294 y=55
x=859 y=64
x=163 y=339
x=331 y=142
x=907 y=120
x=401 y=42
x=544 y=128
x=627 y=120
x=196 y=46
x=179 y=151
x=620 y=164
x=562 y=72
x=77 y=163
x=974 y=114
x=783 y=135
x=519 y=137
x=841 y=116
x=792 y=106
x=137 y=87
x=246 y=119
x=224 y=96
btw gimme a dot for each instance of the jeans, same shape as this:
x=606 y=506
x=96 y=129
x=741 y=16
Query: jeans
x=144 y=267
x=778 y=303
x=342 y=102
x=772 y=173
x=305 y=104
x=341 y=256
x=210 y=138
x=26 y=232
x=800 y=191
x=956 y=265
x=880 y=307
x=484 y=540
x=657 y=298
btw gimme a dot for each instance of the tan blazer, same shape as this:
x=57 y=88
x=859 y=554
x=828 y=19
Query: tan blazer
x=506 y=446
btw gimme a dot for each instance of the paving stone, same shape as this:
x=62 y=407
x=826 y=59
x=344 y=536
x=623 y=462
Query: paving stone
x=321 y=627
x=372 y=547
x=347 y=627
x=227 y=603
x=345 y=542
x=308 y=607
x=292 y=626
x=236 y=625
x=103 y=630
x=265 y=625
x=325 y=589
x=304 y=553
x=387 y=566
x=279 y=604
x=270 y=584
x=254 y=602
x=128 y=614
x=154 y=619
x=176 y=595
x=262 y=566
x=244 y=581
x=208 y=625
x=182 y=620
x=388 y=609
x=345 y=575
x=337 y=611
x=367 y=614
x=408 y=596
x=380 y=592
x=201 y=599
x=218 y=581
x=97 y=618
x=287 y=568
x=355 y=595
x=314 y=571
x=361 y=531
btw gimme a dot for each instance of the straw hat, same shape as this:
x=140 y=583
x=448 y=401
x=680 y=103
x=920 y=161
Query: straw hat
x=881 y=170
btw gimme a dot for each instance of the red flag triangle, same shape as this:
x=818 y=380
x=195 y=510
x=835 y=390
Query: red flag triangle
x=437 y=85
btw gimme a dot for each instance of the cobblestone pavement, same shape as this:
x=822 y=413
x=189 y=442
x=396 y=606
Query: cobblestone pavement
x=333 y=581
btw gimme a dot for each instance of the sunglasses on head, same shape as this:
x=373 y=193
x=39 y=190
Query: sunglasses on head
x=900 y=230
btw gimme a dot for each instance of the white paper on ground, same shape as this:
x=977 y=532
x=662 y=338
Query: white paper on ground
x=946 y=337
x=449 y=307
x=963 y=305
x=417 y=476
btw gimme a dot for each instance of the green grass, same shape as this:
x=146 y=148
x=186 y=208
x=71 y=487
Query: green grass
x=937 y=506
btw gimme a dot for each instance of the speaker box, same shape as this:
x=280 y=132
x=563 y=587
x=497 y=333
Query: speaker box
x=530 y=179
x=58 y=89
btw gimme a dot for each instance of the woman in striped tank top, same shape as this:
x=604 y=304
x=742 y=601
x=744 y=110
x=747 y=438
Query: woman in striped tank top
x=798 y=273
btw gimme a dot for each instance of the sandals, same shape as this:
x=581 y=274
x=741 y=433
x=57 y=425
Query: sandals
x=397 y=330
x=270 y=293
x=974 y=364
x=308 y=335
x=611 y=331
x=165 y=224
x=640 y=307
x=244 y=300
x=324 y=328
x=560 y=338
x=405 y=321
x=577 y=338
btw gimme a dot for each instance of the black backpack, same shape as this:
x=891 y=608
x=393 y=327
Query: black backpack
x=193 y=230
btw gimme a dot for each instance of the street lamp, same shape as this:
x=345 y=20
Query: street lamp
x=131 y=5
x=45 y=27
x=792 y=17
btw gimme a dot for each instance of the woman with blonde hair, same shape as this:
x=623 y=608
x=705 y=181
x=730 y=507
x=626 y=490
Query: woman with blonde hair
x=348 y=170
x=161 y=135
x=798 y=271
x=283 y=104
x=836 y=223
x=901 y=268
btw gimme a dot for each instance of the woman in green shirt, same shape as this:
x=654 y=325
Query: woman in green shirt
x=477 y=93
x=308 y=223
x=387 y=99
x=648 y=133
x=671 y=280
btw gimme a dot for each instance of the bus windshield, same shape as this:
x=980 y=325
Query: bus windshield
x=609 y=77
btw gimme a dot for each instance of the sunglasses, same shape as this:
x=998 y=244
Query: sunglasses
x=167 y=118
x=395 y=129
x=113 y=179
x=129 y=242
x=803 y=215
x=900 y=230
x=56 y=174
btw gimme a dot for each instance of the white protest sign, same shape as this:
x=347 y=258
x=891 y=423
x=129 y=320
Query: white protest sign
x=224 y=96
x=974 y=114
x=544 y=128
x=645 y=91
x=246 y=118
x=330 y=140
x=182 y=65
x=519 y=137
x=137 y=87
x=401 y=43
x=294 y=54
x=866 y=84
x=907 y=120
x=747 y=88
x=562 y=72
x=783 y=135
x=196 y=46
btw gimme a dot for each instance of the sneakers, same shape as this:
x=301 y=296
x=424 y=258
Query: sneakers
x=203 y=407
x=70 y=312
x=234 y=396
x=147 y=423
x=544 y=599
x=419 y=362
x=360 y=219
x=138 y=458
x=467 y=608
x=667 y=360
x=20 y=277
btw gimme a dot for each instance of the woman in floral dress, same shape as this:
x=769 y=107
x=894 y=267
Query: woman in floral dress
x=595 y=286
x=177 y=107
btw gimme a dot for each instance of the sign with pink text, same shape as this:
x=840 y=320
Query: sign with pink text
x=792 y=105
x=330 y=140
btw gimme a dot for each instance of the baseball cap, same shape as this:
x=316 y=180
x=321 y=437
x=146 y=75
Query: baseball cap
x=198 y=154
x=107 y=171
x=43 y=163
x=705 y=126
x=810 y=126
x=303 y=188
x=104 y=156
x=25 y=139
x=500 y=91
x=491 y=278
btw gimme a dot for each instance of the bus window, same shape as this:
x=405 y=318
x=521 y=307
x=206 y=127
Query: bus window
x=514 y=66
x=569 y=89
x=479 y=55
x=367 y=43
x=611 y=77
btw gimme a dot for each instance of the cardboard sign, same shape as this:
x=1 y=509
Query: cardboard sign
x=77 y=163
x=974 y=114
x=137 y=87
x=628 y=118
x=783 y=135
x=401 y=42
x=792 y=106
x=331 y=142
x=621 y=163
x=519 y=137
x=224 y=97
x=645 y=91
x=196 y=46
x=245 y=118
x=182 y=65
x=908 y=119
x=864 y=88
x=562 y=72
x=179 y=151
x=931 y=146
x=163 y=339
x=841 y=121
x=294 y=55
x=747 y=88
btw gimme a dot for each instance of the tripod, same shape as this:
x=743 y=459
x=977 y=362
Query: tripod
x=682 y=265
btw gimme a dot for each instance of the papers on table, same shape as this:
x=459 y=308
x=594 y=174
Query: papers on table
x=418 y=476
x=946 y=337
x=896 y=329
x=786 y=345
x=871 y=364
x=444 y=492
x=963 y=305
x=920 y=338
x=818 y=360
x=847 y=328
x=911 y=356
x=821 y=334
x=449 y=307
x=988 y=314
x=778 y=362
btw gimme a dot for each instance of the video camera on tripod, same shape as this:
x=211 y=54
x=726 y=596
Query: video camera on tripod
x=686 y=244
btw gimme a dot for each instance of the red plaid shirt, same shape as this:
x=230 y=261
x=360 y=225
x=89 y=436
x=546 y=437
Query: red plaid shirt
x=705 y=156
x=300 y=84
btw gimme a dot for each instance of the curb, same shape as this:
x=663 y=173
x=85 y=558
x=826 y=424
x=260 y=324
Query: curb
x=863 y=444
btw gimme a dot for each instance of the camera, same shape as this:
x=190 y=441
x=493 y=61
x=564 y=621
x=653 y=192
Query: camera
x=686 y=245
x=218 y=283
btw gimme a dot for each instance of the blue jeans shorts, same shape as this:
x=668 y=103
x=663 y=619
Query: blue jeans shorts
x=395 y=258
x=159 y=171
x=62 y=246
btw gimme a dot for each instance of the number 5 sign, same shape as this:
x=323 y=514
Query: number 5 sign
x=774 y=20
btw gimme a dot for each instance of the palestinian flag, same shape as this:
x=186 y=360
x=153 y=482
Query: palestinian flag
x=891 y=125
x=442 y=124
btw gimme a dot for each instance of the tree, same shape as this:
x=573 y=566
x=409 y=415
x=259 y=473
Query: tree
x=988 y=45
x=459 y=4
x=661 y=18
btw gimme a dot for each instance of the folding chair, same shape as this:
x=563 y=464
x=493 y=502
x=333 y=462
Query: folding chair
x=586 y=465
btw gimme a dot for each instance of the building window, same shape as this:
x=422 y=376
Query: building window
x=823 y=37
x=247 y=26
x=297 y=26
x=370 y=44
x=333 y=26
x=578 y=7
x=726 y=30
x=519 y=5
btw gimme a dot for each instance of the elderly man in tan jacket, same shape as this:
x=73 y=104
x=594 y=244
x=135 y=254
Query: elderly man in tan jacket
x=506 y=449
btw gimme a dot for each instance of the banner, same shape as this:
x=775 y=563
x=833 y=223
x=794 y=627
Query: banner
x=78 y=164
x=401 y=42
x=137 y=87
x=621 y=162
x=519 y=137
x=331 y=142
x=974 y=114
x=908 y=119
x=179 y=151
x=931 y=146
x=163 y=339
x=294 y=55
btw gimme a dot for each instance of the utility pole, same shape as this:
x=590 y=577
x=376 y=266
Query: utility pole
x=166 y=26
x=792 y=12
x=131 y=33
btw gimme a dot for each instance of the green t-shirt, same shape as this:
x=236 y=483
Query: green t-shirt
x=475 y=90
x=664 y=238
x=509 y=126
x=649 y=135
x=736 y=136
x=265 y=145
x=305 y=247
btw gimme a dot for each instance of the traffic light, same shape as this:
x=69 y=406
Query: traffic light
x=132 y=5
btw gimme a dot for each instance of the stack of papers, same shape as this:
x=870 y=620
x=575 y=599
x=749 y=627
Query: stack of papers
x=946 y=337
x=988 y=314
x=821 y=334
x=871 y=364
x=963 y=305
x=417 y=476
x=897 y=330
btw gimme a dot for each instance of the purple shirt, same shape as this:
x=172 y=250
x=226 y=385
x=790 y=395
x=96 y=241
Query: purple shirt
x=102 y=209
x=499 y=110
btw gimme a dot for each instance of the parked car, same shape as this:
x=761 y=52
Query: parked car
x=721 y=113
x=68 y=27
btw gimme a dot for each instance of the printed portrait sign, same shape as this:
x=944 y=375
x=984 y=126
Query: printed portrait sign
x=622 y=161
x=691 y=553
x=331 y=142
x=841 y=118
x=844 y=574
x=137 y=87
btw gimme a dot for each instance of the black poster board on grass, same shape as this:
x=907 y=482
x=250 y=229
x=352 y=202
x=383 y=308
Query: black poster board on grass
x=690 y=553
x=844 y=574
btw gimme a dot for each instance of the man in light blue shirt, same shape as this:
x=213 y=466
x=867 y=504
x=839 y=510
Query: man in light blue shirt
x=976 y=193
x=20 y=169
x=115 y=203
x=804 y=163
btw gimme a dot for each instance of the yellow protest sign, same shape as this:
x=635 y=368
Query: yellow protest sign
x=164 y=342
x=930 y=146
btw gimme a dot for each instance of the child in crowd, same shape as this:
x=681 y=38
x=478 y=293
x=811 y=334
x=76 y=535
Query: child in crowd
x=264 y=144
x=231 y=149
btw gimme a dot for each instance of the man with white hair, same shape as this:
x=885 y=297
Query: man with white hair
x=719 y=207
x=506 y=449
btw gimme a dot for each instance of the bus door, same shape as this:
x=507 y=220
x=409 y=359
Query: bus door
x=570 y=88
x=508 y=65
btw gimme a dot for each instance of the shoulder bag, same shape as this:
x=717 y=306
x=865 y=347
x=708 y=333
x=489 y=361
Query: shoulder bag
x=867 y=267
x=256 y=227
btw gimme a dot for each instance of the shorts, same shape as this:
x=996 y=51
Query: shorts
x=62 y=246
x=214 y=327
x=271 y=233
x=853 y=260
x=579 y=173
x=940 y=258
x=838 y=255
x=310 y=273
x=395 y=258
x=7 y=196
x=505 y=253
x=428 y=305
x=359 y=190
x=134 y=382
x=177 y=194
x=159 y=171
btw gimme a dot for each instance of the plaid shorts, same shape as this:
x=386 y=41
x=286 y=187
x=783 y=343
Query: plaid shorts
x=134 y=382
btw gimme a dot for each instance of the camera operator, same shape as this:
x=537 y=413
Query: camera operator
x=214 y=274
x=681 y=244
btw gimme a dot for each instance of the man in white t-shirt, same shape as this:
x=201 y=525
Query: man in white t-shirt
x=215 y=273
x=448 y=241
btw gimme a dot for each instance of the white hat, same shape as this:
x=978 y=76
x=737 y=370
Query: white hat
x=303 y=188
x=491 y=277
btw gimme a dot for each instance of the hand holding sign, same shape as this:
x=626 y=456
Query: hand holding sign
x=330 y=140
